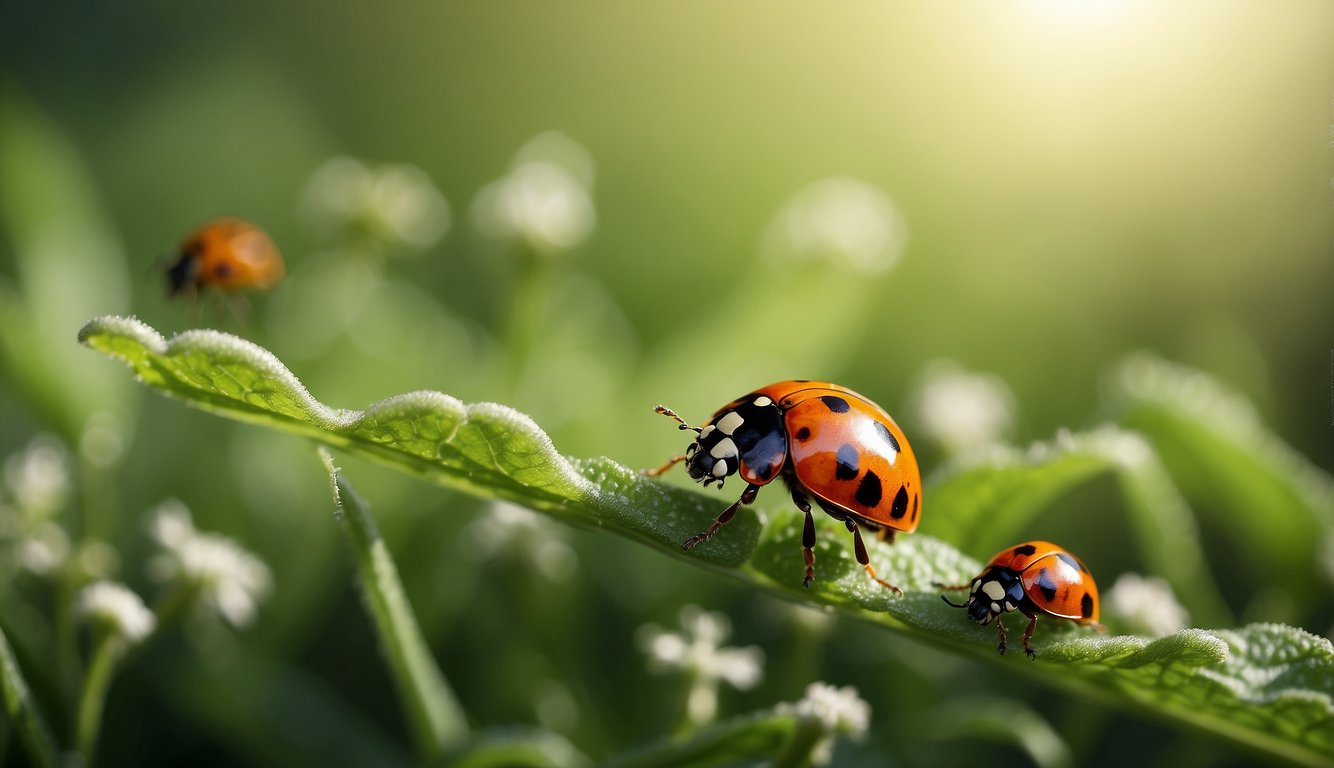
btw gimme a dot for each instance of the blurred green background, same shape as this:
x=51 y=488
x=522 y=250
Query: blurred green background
x=1063 y=183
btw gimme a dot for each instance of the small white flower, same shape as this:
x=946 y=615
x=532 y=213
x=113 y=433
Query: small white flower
x=697 y=650
x=836 y=711
x=840 y=221
x=38 y=477
x=230 y=580
x=113 y=607
x=513 y=531
x=1145 y=604
x=44 y=549
x=393 y=203
x=544 y=202
x=962 y=410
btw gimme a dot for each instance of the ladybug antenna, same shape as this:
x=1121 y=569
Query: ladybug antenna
x=669 y=413
x=956 y=605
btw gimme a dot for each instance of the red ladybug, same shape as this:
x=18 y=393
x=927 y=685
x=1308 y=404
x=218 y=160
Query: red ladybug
x=1034 y=578
x=828 y=443
x=227 y=254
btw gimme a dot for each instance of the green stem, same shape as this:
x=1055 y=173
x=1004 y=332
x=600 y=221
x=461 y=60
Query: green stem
x=109 y=650
x=527 y=311
x=23 y=712
x=438 y=722
x=798 y=750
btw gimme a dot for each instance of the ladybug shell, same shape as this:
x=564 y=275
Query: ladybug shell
x=228 y=254
x=1055 y=581
x=843 y=449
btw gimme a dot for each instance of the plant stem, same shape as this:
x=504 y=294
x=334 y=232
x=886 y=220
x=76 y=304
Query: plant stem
x=23 y=710
x=438 y=722
x=801 y=745
x=109 y=650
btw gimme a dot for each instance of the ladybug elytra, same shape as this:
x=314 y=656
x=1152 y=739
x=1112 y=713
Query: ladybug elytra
x=228 y=254
x=828 y=443
x=1035 y=578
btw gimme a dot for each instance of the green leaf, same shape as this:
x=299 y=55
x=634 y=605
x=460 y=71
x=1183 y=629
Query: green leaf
x=23 y=712
x=67 y=265
x=1276 y=506
x=1196 y=677
x=436 y=718
x=747 y=740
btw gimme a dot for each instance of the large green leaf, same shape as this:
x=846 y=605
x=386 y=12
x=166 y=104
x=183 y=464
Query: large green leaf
x=1276 y=506
x=1265 y=686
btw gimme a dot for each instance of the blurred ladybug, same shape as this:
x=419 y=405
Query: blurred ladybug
x=828 y=443
x=1034 y=578
x=227 y=254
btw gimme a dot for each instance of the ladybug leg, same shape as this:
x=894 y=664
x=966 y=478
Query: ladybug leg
x=807 y=536
x=1028 y=635
x=859 y=547
x=747 y=497
x=656 y=471
x=1000 y=635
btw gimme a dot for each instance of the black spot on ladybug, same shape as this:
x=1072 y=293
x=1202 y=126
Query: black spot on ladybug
x=1026 y=549
x=835 y=403
x=887 y=436
x=915 y=503
x=222 y=270
x=1069 y=560
x=869 y=490
x=1046 y=585
x=900 y=506
x=764 y=471
x=848 y=466
x=803 y=434
x=1086 y=605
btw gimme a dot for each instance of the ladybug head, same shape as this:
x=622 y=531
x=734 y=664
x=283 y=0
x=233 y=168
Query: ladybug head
x=712 y=457
x=998 y=590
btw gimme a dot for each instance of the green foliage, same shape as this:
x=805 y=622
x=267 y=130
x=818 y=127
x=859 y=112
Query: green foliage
x=1266 y=686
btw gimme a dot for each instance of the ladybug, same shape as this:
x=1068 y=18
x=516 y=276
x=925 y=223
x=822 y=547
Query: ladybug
x=828 y=443
x=1035 y=578
x=227 y=254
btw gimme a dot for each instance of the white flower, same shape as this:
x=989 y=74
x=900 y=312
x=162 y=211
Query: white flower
x=835 y=711
x=1145 y=604
x=38 y=477
x=113 y=607
x=840 y=221
x=230 y=580
x=43 y=549
x=393 y=203
x=103 y=440
x=544 y=201
x=697 y=650
x=962 y=410
x=512 y=530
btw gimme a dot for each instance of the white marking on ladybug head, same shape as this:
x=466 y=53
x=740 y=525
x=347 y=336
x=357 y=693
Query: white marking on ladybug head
x=762 y=401
x=703 y=433
x=995 y=607
x=729 y=422
x=1010 y=605
x=720 y=469
x=725 y=449
x=993 y=590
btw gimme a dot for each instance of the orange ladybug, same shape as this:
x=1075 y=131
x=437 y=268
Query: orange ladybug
x=1034 y=578
x=227 y=254
x=828 y=443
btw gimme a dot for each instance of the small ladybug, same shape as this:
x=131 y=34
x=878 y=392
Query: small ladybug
x=1034 y=578
x=828 y=443
x=227 y=254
